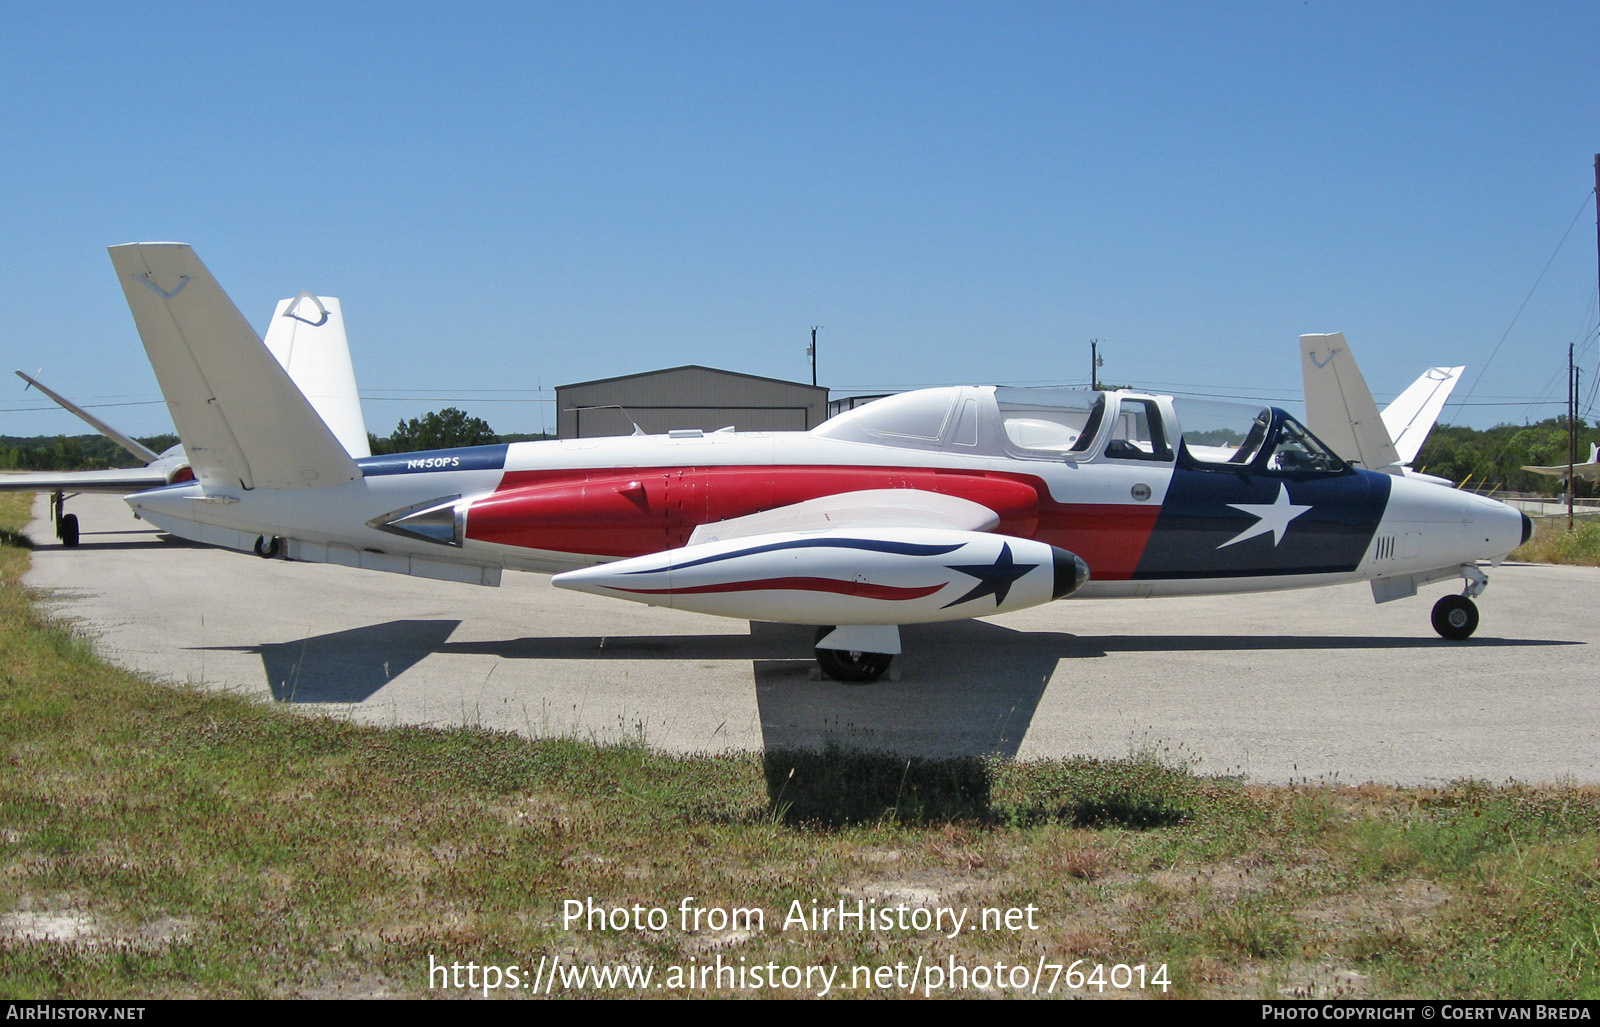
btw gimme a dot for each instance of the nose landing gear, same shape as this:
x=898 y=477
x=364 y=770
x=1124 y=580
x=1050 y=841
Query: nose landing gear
x=1456 y=617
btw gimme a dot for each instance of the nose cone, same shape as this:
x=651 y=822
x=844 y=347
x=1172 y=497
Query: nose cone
x=1527 y=528
x=1071 y=573
x=1446 y=526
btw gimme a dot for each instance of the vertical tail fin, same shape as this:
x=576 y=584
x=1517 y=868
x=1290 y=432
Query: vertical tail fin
x=242 y=420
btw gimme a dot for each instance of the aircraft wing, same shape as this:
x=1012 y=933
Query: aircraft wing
x=1413 y=413
x=241 y=417
x=1339 y=407
x=142 y=452
x=119 y=482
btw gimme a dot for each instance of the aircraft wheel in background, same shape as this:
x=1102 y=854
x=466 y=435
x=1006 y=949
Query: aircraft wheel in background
x=67 y=530
x=849 y=665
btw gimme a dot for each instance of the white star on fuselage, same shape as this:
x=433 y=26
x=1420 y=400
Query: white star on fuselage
x=1273 y=517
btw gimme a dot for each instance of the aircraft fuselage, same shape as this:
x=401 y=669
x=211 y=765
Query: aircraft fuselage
x=1144 y=527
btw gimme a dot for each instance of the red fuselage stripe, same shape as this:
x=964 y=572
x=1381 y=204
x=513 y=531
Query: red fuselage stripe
x=623 y=512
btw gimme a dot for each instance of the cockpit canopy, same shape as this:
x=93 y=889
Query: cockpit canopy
x=1250 y=438
x=1079 y=425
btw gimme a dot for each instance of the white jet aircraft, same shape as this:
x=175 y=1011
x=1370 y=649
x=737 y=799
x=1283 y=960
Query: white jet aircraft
x=1588 y=469
x=306 y=336
x=934 y=505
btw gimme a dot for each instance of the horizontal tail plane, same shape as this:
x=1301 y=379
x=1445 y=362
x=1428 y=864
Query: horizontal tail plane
x=1414 y=412
x=140 y=452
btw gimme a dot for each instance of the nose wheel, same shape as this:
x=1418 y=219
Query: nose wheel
x=1455 y=617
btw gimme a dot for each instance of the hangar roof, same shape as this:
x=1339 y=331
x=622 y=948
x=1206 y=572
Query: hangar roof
x=696 y=367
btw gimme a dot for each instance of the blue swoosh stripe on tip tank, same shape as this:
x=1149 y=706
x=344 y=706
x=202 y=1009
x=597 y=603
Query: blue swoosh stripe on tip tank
x=871 y=545
x=466 y=458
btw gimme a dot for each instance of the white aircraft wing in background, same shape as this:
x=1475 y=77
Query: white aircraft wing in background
x=133 y=446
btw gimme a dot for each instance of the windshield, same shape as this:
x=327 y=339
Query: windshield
x=1296 y=449
x=1247 y=436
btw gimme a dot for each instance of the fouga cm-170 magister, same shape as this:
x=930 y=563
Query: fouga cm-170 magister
x=933 y=505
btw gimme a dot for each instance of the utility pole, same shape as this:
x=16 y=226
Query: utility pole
x=1572 y=425
x=1572 y=433
x=1095 y=363
x=811 y=351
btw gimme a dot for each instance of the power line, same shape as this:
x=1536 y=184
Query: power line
x=86 y=406
x=1485 y=369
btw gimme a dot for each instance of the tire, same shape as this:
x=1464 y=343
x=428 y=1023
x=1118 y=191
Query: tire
x=849 y=665
x=268 y=548
x=1455 y=617
x=67 y=530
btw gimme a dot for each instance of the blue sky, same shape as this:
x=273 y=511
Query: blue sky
x=512 y=196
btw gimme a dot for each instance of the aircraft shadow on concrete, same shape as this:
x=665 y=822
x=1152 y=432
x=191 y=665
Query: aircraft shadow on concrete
x=963 y=688
x=347 y=666
x=111 y=541
x=967 y=688
x=912 y=744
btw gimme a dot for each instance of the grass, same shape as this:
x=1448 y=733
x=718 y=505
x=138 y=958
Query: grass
x=1553 y=543
x=159 y=841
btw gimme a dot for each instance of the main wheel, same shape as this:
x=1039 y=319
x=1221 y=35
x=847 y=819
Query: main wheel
x=67 y=530
x=851 y=665
x=1455 y=617
x=843 y=665
x=268 y=548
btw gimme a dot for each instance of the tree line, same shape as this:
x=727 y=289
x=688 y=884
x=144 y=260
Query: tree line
x=1494 y=458
x=442 y=429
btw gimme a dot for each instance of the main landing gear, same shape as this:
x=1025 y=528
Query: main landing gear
x=1456 y=617
x=66 y=524
x=857 y=654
